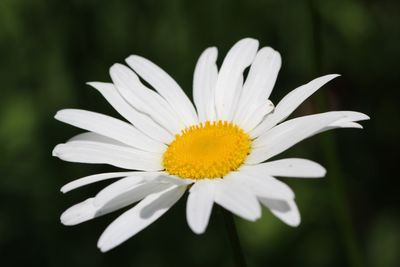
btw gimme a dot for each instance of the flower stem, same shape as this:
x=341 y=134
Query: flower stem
x=234 y=239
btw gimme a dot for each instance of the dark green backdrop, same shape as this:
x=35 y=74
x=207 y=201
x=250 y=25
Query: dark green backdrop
x=49 y=49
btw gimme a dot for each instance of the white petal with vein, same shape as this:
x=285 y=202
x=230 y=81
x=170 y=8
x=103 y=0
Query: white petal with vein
x=292 y=167
x=237 y=198
x=165 y=86
x=290 y=102
x=111 y=200
x=139 y=217
x=239 y=57
x=204 y=80
x=263 y=185
x=93 y=179
x=285 y=210
x=103 y=153
x=259 y=83
x=144 y=99
x=290 y=132
x=142 y=121
x=199 y=205
x=109 y=127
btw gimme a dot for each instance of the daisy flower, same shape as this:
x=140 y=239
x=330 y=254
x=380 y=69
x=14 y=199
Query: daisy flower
x=218 y=149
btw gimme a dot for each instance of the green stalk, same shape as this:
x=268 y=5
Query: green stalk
x=237 y=251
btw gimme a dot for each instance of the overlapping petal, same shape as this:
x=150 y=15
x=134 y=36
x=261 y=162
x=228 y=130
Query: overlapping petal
x=109 y=127
x=139 y=217
x=155 y=117
x=144 y=99
x=259 y=83
x=166 y=87
x=239 y=57
x=290 y=102
x=104 y=153
x=204 y=81
x=143 y=122
x=290 y=132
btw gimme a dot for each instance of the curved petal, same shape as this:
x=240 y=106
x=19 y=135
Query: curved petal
x=103 y=153
x=144 y=99
x=254 y=118
x=259 y=83
x=135 y=186
x=289 y=133
x=285 y=210
x=109 y=127
x=78 y=213
x=171 y=179
x=290 y=102
x=239 y=57
x=139 y=217
x=112 y=201
x=237 y=198
x=262 y=185
x=141 y=121
x=346 y=123
x=204 y=80
x=93 y=179
x=291 y=167
x=199 y=205
x=165 y=86
x=95 y=137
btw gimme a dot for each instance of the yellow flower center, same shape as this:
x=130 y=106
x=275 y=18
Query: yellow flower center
x=209 y=150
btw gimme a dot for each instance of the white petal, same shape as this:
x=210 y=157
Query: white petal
x=259 y=83
x=237 y=198
x=131 y=185
x=238 y=89
x=204 y=80
x=109 y=127
x=110 y=201
x=199 y=205
x=141 y=121
x=262 y=185
x=131 y=196
x=144 y=99
x=289 y=133
x=286 y=211
x=291 y=167
x=253 y=119
x=103 y=153
x=93 y=179
x=290 y=102
x=139 y=217
x=171 y=179
x=95 y=137
x=239 y=57
x=165 y=86
x=78 y=213
x=346 y=124
x=114 y=199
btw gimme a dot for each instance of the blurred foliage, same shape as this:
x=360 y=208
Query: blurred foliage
x=49 y=49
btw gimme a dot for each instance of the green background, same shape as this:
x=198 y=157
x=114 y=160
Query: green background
x=49 y=49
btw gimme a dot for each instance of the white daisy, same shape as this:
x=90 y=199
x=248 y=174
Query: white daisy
x=217 y=151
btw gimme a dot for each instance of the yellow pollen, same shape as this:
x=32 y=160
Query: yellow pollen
x=208 y=150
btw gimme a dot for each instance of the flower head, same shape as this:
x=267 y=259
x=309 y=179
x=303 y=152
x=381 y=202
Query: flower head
x=218 y=150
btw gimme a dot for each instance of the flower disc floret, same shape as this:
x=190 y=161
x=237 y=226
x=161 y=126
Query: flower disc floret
x=208 y=150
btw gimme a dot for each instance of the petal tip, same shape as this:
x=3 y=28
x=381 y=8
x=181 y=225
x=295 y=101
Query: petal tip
x=64 y=189
x=56 y=151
